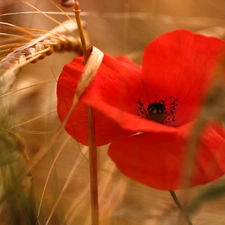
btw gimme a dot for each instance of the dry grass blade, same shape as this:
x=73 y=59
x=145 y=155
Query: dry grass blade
x=90 y=70
x=73 y=171
x=114 y=196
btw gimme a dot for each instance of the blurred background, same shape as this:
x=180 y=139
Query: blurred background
x=119 y=27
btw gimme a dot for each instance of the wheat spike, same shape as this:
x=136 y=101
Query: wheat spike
x=58 y=39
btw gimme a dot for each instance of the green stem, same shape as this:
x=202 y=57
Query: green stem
x=181 y=208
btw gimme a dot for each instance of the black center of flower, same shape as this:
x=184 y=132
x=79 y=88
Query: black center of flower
x=156 y=111
x=161 y=111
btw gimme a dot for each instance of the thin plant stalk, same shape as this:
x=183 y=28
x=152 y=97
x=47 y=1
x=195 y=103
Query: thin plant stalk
x=181 y=208
x=91 y=134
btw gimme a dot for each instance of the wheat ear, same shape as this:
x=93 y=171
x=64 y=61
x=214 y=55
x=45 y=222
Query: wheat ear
x=57 y=40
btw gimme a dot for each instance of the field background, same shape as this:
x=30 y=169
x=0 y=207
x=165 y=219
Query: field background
x=119 y=27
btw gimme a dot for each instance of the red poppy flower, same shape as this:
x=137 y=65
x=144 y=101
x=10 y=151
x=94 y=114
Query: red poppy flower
x=147 y=114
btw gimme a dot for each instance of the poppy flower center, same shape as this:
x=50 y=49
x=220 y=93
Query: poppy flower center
x=156 y=112
x=161 y=111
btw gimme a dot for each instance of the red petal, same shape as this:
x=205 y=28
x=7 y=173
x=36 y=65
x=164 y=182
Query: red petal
x=117 y=84
x=179 y=64
x=158 y=159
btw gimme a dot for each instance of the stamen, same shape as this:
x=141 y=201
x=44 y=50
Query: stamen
x=161 y=111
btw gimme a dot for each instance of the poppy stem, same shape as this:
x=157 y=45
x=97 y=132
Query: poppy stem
x=91 y=133
x=181 y=208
